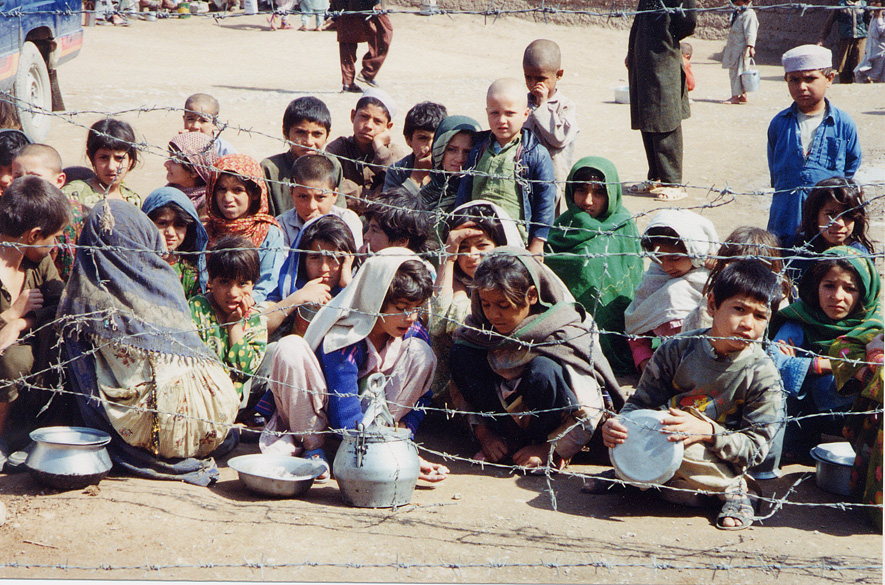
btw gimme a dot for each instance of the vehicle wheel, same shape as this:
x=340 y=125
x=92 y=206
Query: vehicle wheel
x=33 y=93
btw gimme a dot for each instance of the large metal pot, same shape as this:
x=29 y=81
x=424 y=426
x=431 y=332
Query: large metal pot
x=377 y=468
x=834 y=462
x=69 y=458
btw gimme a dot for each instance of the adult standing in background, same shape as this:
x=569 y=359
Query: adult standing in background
x=852 y=20
x=361 y=22
x=658 y=93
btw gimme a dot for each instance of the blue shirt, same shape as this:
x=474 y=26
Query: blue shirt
x=835 y=152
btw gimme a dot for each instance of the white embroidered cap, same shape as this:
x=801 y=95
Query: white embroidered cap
x=806 y=58
x=383 y=97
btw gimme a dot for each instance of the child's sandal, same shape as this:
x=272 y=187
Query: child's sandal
x=319 y=455
x=739 y=507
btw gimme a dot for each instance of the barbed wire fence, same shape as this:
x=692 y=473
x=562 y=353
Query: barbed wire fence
x=716 y=197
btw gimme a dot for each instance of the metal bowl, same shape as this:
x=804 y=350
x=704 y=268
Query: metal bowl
x=834 y=463
x=276 y=475
x=69 y=458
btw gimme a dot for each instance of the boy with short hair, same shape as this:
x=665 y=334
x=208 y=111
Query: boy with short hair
x=306 y=126
x=722 y=392
x=397 y=219
x=413 y=171
x=33 y=213
x=808 y=142
x=687 y=51
x=315 y=189
x=553 y=118
x=201 y=115
x=510 y=150
x=41 y=160
x=225 y=317
x=365 y=155
x=10 y=141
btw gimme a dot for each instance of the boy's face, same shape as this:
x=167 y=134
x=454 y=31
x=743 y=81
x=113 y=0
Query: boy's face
x=421 y=143
x=369 y=122
x=31 y=165
x=110 y=166
x=6 y=177
x=541 y=81
x=504 y=316
x=591 y=198
x=228 y=293
x=506 y=117
x=808 y=88
x=375 y=240
x=313 y=199
x=198 y=120
x=399 y=316
x=737 y=322
x=318 y=264
x=673 y=260
x=42 y=244
x=306 y=137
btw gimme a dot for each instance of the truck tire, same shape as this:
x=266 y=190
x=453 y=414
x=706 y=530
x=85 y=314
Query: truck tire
x=32 y=88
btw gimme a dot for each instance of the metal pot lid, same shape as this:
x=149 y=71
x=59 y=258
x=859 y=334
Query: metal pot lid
x=80 y=436
x=646 y=456
x=839 y=453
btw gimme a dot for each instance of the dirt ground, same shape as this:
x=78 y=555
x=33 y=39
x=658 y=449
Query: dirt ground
x=481 y=524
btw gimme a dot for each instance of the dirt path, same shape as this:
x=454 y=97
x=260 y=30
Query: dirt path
x=481 y=524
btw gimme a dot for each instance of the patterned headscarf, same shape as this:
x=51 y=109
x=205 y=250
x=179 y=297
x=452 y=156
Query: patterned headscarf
x=199 y=152
x=251 y=225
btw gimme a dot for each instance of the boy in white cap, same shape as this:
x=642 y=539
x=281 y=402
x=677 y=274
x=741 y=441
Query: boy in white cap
x=810 y=141
x=365 y=156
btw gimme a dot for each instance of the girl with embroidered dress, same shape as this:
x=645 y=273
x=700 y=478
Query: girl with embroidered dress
x=185 y=237
x=237 y=205
x=528 y=359
x=112 y=152
x=355 y=340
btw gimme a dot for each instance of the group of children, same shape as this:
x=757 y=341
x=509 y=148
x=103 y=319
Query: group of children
x=282 y=293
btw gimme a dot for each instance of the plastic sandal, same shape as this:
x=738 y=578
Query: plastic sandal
x=670 y=193
x=319 y=455
x=738 y=506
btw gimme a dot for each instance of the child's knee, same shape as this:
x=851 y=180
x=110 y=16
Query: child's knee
x=17 y=361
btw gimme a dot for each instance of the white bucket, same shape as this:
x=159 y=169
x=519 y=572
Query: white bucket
x=750 y=77
x=622 y=94
x=250 y=6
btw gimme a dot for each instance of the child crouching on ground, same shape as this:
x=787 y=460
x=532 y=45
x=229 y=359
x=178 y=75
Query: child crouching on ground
x=680 y=242
x=360 y=333
x=225 y=318
x=528 y=359
x=722 y=391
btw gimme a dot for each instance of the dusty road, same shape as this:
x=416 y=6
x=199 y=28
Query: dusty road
x=480 y=524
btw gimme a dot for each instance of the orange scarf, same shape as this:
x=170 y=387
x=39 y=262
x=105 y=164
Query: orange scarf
x=252 y=225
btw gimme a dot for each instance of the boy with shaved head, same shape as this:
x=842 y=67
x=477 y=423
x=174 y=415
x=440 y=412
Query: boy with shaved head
x=510 y=167
x=553 y=117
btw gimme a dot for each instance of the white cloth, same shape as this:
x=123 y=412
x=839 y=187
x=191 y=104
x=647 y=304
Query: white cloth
x=351 y=315
x=511 y=232
x=661 y=298
x=696 y=231
x=808 y=125
x=873 y=65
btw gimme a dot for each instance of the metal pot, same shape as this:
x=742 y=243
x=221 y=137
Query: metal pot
x=377 y=468
x=276 y=475
x=69 y=458
x=834 y=463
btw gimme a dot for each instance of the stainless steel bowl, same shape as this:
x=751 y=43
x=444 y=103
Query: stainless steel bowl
x=69 y=458
x=276 y=475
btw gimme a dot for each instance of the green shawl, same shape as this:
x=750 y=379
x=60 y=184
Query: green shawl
x=820 y=330
x=599 y=260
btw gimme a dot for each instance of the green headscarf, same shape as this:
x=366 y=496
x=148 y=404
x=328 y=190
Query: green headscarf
x=440 y=192
x=820 y=330
x=599 y=259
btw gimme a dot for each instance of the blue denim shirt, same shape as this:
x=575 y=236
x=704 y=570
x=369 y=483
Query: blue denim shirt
x=835 y=152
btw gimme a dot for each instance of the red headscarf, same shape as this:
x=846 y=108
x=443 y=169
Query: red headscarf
x=252 y=225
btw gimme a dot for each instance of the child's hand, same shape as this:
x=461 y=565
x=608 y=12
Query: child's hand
x=539 y=93
x=346 y=271
x=459 y=234
x=685 y=427
x=30 y=299
x=315 y=292
x=786 y=347
x=243 y=309
x=751 y=51
x=381 y=140
x=493 y=446
x=613 y=433
x=432 y=472
x=10 y=333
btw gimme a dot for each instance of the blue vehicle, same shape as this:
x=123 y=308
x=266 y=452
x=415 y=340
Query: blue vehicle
x=36 y=37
